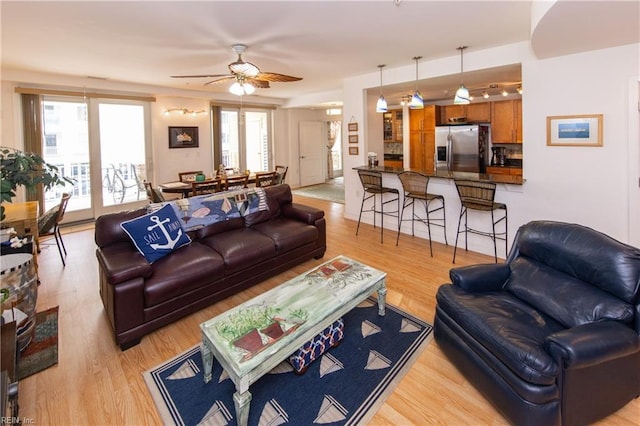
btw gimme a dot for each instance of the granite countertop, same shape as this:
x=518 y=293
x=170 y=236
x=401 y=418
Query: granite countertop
x=507 y=179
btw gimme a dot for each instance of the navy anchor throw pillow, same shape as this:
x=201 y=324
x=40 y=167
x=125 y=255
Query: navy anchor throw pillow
x=156 y=234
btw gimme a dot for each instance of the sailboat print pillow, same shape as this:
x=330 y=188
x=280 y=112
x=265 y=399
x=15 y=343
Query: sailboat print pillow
x=156 y=234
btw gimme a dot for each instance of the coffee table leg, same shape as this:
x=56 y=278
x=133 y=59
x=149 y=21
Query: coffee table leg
x=382 y=297
x=207 y=361
x=242 y=402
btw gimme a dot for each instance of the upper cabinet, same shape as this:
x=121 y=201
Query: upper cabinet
x=392 y=126
x=506 y=121
x=474 y=112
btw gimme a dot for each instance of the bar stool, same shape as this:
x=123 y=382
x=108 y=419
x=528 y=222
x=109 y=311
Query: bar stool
x=415 y=187
x=475 y=195
x=372 y=185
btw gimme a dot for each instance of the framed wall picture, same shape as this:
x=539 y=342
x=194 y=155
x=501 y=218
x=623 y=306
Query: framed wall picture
x=353 y=150
x=183 y=137
x=574 y=130
x=353 y=127
x=353 y=138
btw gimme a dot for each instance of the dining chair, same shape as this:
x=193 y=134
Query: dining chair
x=153 y=194
x=265 y=179
x=206 y=187
x=281 y=172
x=49 y=225
x=188 y=176
x=236 y=182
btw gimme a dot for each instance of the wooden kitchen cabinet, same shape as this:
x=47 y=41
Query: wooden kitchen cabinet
x=474 y=112
x=513 y=171
x=422 y=126
x=478 y=112
x=506 y=121
x=392 y=126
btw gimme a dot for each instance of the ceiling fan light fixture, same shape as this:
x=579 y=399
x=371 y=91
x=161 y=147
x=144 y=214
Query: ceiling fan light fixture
x=236 y=89
x=485 y=94
x=248 y=88
x=245 y=68
x=381 y=105
x=504 y=92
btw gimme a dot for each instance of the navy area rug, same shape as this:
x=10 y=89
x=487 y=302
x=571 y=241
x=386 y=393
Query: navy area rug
x=345 y=386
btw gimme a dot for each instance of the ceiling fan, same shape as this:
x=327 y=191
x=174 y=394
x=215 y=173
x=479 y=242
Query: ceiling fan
x=246 y=76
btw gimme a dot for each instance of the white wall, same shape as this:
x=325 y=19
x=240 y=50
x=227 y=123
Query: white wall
x=168 y=162
x=585 y=185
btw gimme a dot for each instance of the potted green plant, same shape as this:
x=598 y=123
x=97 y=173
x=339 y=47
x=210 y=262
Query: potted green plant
x=18 y=168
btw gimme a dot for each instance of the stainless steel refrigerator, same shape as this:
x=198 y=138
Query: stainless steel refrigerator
x=462 y=148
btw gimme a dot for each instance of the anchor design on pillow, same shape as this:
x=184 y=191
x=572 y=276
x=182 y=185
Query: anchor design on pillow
x=170 y=244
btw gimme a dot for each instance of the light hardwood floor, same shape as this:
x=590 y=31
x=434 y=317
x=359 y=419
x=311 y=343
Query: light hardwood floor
x=95 y=383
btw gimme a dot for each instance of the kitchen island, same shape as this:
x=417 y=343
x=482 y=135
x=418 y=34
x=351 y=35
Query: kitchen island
x=483 y=177
x=509 y=190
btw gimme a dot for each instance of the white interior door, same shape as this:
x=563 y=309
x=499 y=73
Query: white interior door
x=311 y=147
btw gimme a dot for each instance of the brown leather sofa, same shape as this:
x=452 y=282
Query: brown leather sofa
x=222 y=259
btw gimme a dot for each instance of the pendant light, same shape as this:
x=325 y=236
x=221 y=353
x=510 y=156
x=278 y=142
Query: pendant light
x=416 y=100
x=462 y=94
x=381 y=106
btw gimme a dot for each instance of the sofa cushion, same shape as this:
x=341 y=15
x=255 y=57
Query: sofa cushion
x=288 y=234
x=512 y=330
x=241 y=248
x=567 y=299
x=157 y=234
x=188 y=268
x=277 y=196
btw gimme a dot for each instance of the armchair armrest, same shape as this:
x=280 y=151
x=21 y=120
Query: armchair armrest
x=306 y=214
x=593 y=343
x=120 y=263
x=480 y=278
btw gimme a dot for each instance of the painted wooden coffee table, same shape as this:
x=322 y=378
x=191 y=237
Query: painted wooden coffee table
x=254 y=337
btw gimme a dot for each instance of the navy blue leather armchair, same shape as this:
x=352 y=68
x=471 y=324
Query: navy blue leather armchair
x=552 y=336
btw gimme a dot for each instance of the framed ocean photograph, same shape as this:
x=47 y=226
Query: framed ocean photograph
x=574 y=130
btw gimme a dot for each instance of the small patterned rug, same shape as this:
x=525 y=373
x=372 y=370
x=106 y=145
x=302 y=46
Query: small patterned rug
x=346 y=385
x=42 y=352
x=324 y=191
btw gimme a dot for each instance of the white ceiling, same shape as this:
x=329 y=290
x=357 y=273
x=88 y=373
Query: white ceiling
x=321 y=41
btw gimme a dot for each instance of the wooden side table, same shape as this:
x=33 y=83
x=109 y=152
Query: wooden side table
x=24 y=218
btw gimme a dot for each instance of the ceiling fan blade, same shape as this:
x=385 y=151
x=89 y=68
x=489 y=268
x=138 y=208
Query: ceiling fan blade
x=258 y=83
x=201 y=76
x=275 y=77
x=224 y=79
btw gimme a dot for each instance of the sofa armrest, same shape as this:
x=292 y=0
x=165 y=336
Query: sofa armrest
x=302 y=213
x=592 y=343
x=119 y=263
x=480 y=278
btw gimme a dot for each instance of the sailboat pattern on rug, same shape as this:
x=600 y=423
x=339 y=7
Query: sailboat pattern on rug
x=329 y=377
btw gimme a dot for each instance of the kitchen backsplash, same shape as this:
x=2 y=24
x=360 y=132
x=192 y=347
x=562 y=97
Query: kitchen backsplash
x=393 y=148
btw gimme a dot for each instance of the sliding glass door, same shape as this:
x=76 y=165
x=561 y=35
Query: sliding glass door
x=103 y=144
x=245 y=141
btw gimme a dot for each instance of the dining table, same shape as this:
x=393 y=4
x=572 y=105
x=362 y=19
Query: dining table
x=185 y=187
